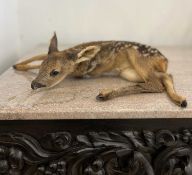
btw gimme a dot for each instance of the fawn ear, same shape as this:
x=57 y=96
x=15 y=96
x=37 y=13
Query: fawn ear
x=87 y=54
x=53 y=44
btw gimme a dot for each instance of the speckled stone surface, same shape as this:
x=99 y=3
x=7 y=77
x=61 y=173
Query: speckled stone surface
x=75 y=98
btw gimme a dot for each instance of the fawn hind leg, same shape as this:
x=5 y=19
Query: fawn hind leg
x=167 y=80
x=24 y=65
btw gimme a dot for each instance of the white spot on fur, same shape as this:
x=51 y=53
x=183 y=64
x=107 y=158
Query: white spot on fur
x=135 y=47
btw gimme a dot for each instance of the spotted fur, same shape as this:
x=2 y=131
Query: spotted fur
x=115 y=46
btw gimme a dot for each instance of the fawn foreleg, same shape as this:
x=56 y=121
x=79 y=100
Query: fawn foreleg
x=154 y=85
x=24 y=65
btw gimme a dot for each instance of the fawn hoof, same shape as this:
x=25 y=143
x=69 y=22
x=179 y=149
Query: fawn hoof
x=101 y=97
x=183 y=104
x=104 y=95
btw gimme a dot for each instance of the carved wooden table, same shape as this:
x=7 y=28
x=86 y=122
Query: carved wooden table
x=65 y=131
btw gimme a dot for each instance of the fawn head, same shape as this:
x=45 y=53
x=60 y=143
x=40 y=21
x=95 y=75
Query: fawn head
x=58 y=64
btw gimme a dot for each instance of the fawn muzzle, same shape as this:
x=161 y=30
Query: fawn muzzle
x=36 y=85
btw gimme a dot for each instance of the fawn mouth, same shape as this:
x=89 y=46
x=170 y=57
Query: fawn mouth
x=36 y=85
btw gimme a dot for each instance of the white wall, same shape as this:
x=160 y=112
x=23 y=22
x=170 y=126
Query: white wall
x=158 y=22
x=9 y=37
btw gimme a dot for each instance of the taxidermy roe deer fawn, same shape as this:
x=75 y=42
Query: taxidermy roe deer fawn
x=134 y=62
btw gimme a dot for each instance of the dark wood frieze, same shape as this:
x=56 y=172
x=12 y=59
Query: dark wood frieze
x=97 y=153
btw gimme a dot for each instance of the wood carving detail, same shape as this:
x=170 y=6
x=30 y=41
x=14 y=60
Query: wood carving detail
x=130 y=152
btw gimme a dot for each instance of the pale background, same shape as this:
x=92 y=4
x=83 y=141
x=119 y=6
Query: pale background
x=25 y=24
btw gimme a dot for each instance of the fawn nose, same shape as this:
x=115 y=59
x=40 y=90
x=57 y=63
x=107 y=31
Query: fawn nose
x=36 y=85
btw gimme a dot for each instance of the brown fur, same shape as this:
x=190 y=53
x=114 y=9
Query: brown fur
x=133 y=61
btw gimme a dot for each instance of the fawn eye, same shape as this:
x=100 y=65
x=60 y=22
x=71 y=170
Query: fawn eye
x=54 y=73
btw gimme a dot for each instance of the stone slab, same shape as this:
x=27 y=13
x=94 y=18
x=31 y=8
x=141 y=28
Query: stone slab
x=75 y=98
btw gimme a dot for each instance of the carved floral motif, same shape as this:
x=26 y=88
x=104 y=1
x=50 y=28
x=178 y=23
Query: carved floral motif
x=98 y=153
